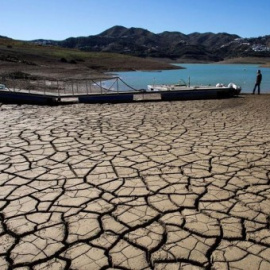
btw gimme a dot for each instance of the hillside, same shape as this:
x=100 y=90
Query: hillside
x=196 y=47
x=54 y=61
x=125 y=49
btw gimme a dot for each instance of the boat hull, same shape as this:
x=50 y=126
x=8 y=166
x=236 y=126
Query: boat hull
x=175 y=92
x=199 y=94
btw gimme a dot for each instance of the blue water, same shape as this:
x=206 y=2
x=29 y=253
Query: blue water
x=200 y=74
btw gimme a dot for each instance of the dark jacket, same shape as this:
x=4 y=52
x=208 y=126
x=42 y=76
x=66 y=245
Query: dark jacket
x=259 y=78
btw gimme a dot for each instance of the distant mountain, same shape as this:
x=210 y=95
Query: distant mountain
x=4 y=37
x=173 y=45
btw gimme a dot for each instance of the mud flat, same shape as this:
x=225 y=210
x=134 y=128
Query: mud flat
x=158 y=185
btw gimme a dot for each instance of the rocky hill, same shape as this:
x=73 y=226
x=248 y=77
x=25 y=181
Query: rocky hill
x=115 y=50
x=173 y=45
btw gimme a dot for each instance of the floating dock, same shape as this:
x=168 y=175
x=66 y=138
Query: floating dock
x=94 y=91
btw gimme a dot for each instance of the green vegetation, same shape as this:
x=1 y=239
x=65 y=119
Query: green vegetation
x=52 y=51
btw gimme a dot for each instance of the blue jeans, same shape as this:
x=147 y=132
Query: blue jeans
x=259 y=88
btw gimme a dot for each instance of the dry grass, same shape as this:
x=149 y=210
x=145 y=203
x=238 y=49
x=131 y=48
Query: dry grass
x=57 y=62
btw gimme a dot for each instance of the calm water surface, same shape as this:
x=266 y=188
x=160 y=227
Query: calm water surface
x=200 y=74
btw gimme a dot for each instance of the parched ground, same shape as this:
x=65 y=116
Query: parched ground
x=158 y=185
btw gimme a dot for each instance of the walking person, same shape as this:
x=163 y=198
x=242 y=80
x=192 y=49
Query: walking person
x=258 y=82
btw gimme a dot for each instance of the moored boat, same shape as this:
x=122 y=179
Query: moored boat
x=182 y=86
x=183 y=91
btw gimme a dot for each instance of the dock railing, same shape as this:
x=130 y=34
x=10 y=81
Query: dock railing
x=65 y=87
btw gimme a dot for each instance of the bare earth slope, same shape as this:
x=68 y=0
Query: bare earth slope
x=51 y=61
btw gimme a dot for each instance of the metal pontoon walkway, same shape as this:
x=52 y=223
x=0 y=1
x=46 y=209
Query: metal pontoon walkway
x=98 y=90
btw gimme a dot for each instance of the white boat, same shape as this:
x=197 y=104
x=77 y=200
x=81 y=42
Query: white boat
x=183 y=86
x=184 y=91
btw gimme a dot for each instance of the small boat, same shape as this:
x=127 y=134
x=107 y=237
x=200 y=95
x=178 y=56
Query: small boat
x=182 y=91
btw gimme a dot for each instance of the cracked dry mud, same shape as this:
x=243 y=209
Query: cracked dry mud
x=165 y=185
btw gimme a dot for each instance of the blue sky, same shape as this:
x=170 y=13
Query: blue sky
x=60 y=19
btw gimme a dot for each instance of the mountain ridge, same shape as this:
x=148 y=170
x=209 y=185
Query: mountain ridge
x=209 y=47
